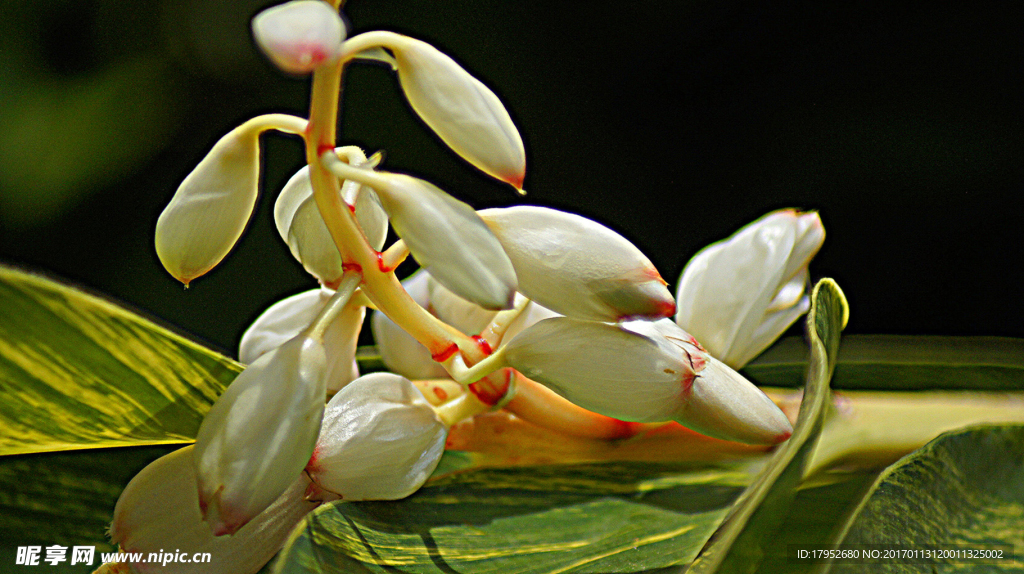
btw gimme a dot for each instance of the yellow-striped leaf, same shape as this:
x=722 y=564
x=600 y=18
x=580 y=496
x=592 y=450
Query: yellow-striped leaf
x=77 y=372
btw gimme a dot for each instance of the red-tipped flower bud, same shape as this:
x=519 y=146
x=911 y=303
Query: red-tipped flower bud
x=299 y=36
x=578 y=267
x=646 y=372
x=260 y=433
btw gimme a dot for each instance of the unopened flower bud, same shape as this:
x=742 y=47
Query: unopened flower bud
x=157 y=511
x=578 y=267
x=635 y=372
x=301 y=226
x=211 y=207
x=380 y=440
x=449 y=239
x=299 y=36
x=738 y=295
x=260 y=433
x=463 y=112
x=287 y=318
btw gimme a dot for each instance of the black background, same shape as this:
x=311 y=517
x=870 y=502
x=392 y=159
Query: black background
x=672 y=122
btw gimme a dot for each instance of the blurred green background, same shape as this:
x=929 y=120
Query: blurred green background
x=672 y=122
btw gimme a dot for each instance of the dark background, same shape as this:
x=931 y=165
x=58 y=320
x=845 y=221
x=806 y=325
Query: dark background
x=672 y=122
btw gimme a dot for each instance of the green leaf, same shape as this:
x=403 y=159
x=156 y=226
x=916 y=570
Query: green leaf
x=64 y=498
x=609 y=517
x=963 y=488
x=896 y=362
x=742 y=542
x=818 y=512
x=79 y=372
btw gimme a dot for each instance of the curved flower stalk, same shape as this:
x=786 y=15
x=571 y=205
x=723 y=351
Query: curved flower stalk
x=380 y=440
x=402 y=354
x=738 y=295
x=285 y=319
x=399 y=350
x=157 y=511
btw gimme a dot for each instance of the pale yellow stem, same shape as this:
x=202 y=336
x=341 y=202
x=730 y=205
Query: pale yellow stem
x=347 y=286
x=460 y=409
x=495 y=331
x=393 y=256
x=280 y=122
x=381 y=287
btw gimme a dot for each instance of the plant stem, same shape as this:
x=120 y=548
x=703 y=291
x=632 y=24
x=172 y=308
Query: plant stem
x=280 y=122
x=346 y=287
x=380 y=286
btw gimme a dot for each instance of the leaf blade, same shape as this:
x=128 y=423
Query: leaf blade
x=963 y=488
x=739 y=545
x=104 y=376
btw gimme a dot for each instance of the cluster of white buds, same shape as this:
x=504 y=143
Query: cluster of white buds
x=510 y=303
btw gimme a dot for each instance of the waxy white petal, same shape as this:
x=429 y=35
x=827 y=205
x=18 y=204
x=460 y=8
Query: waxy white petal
x=725 y=405
x=449 y=239
x=211 y=207
x=645 y=371
x=731 y=291
x=380 y=440
x=400 y=352
x=260 y=433
x=721 y=402
x=159 y=512
x=299 y=36
x=299 y=223
x=603 y=368
x=286 y=318
x=463 y=112
x=578 y=267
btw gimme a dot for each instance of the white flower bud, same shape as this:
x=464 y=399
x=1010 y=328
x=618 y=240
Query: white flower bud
x=380 y=440
x=721 y=403
x=260 y=433
x=299 y=223
x=578 y=267
x=449 y=239
x=287 y=318
x=400 y=352
x=463 y=112
x=299 y=36
x=211 y=207
x=158 y=511
x=641 y=372
x=738 y=295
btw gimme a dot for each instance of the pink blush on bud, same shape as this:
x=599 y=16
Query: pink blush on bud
x=783 y=437
x=312 y=466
